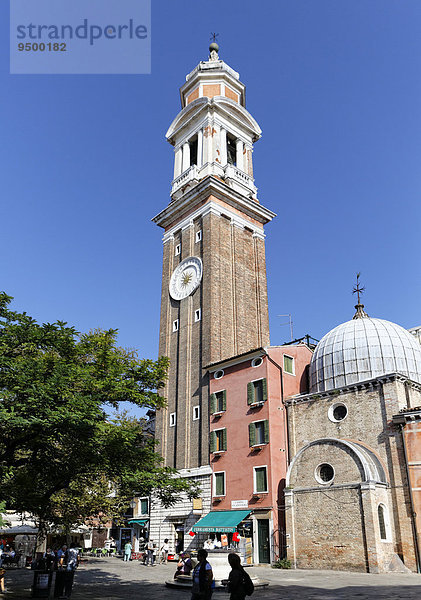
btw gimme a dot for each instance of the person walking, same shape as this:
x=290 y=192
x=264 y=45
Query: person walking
x=165 y=548
x=127 y=551
x=239 y=582
x=72 y=558
x=149 y=552
x=202 y=577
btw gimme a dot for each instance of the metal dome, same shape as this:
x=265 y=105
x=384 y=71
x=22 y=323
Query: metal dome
x=362 y=349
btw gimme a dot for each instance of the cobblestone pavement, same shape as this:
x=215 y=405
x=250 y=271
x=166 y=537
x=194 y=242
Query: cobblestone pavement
x=113 y=579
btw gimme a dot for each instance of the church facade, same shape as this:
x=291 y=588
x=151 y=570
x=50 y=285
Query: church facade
x=311 y=456
x=349 y=498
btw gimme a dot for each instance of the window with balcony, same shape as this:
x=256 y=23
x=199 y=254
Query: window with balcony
x=259 y=433
x=257 y=392
x=218 y=440
x=218 y=402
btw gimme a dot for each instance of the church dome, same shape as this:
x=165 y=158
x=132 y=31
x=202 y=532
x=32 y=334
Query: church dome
x=362 y=349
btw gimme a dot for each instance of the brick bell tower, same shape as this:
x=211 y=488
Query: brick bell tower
x=214 y=294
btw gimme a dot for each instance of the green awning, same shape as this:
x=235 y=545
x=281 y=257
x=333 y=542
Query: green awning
x=141 y=522
x=224 y=521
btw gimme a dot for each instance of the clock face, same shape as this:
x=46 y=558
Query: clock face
x=185 y=278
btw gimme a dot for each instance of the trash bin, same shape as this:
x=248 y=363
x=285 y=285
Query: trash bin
x=42 y=584
x=63 y=584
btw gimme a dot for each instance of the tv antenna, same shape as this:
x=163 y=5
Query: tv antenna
x=289 y=322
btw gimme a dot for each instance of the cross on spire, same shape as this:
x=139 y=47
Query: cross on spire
x=213 y=37
x=358 y=289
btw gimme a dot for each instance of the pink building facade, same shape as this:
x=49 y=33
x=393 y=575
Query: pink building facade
x=248 y=441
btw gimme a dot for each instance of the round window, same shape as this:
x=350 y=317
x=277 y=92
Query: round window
x=256 y=362
x=337 y=412
x=324 y=473
x=218 y=374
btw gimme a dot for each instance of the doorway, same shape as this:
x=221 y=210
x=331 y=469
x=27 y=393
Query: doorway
x=263 y=540
x=179 y=538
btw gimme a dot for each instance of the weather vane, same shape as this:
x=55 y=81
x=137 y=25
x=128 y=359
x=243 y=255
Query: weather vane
x=213 y=37
x=357 y=288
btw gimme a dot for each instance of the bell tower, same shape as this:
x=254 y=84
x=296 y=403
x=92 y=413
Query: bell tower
x=214 y=295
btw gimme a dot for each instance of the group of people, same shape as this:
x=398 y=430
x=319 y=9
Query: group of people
x=7 y=554
x=150 y=550
x=238 y=583
x=63 y=558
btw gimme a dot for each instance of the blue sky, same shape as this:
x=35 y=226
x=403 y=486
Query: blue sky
x=335 y=86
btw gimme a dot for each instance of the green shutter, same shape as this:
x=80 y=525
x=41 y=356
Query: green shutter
x=261 y=480
x=224 y=400
x=224 y=439
x=250 y=393
x=212 y=441
x=266 y=431
x=213 y=403
x=219 y=484
x=265 y=390
x=252 y=434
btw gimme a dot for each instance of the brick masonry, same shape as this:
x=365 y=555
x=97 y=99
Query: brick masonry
x=234 y=319
x=331 y=526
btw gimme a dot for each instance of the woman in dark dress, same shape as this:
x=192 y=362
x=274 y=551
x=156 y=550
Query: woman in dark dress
x=236 y=584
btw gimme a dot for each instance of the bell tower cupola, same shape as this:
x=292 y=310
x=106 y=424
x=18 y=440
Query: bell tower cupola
x=213 y=134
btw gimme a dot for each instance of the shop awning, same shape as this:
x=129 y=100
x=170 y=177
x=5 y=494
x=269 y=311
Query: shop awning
x=141 y=522
x=224 y=521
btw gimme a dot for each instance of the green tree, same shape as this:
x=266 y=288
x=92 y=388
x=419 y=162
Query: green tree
x=62 y=457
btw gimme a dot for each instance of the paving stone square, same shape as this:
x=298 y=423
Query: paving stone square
x=113 y=579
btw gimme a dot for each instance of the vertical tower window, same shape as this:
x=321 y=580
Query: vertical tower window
x=172 y=419
x=383 y=522
x=197 y=315
x=193 y=151
x=231 y=150
x=177 y=249
x=198 y=235
x=175 y=325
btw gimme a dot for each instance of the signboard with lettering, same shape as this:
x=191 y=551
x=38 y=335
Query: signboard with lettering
x=239 y=503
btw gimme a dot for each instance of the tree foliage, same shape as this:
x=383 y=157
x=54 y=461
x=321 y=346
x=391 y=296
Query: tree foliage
x=62 y=457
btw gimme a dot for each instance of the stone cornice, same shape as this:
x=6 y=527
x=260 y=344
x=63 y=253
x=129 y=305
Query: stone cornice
x=235 y=360
x=369 y=384
x=212 y=186
x=338 y=486
x=230 y=110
